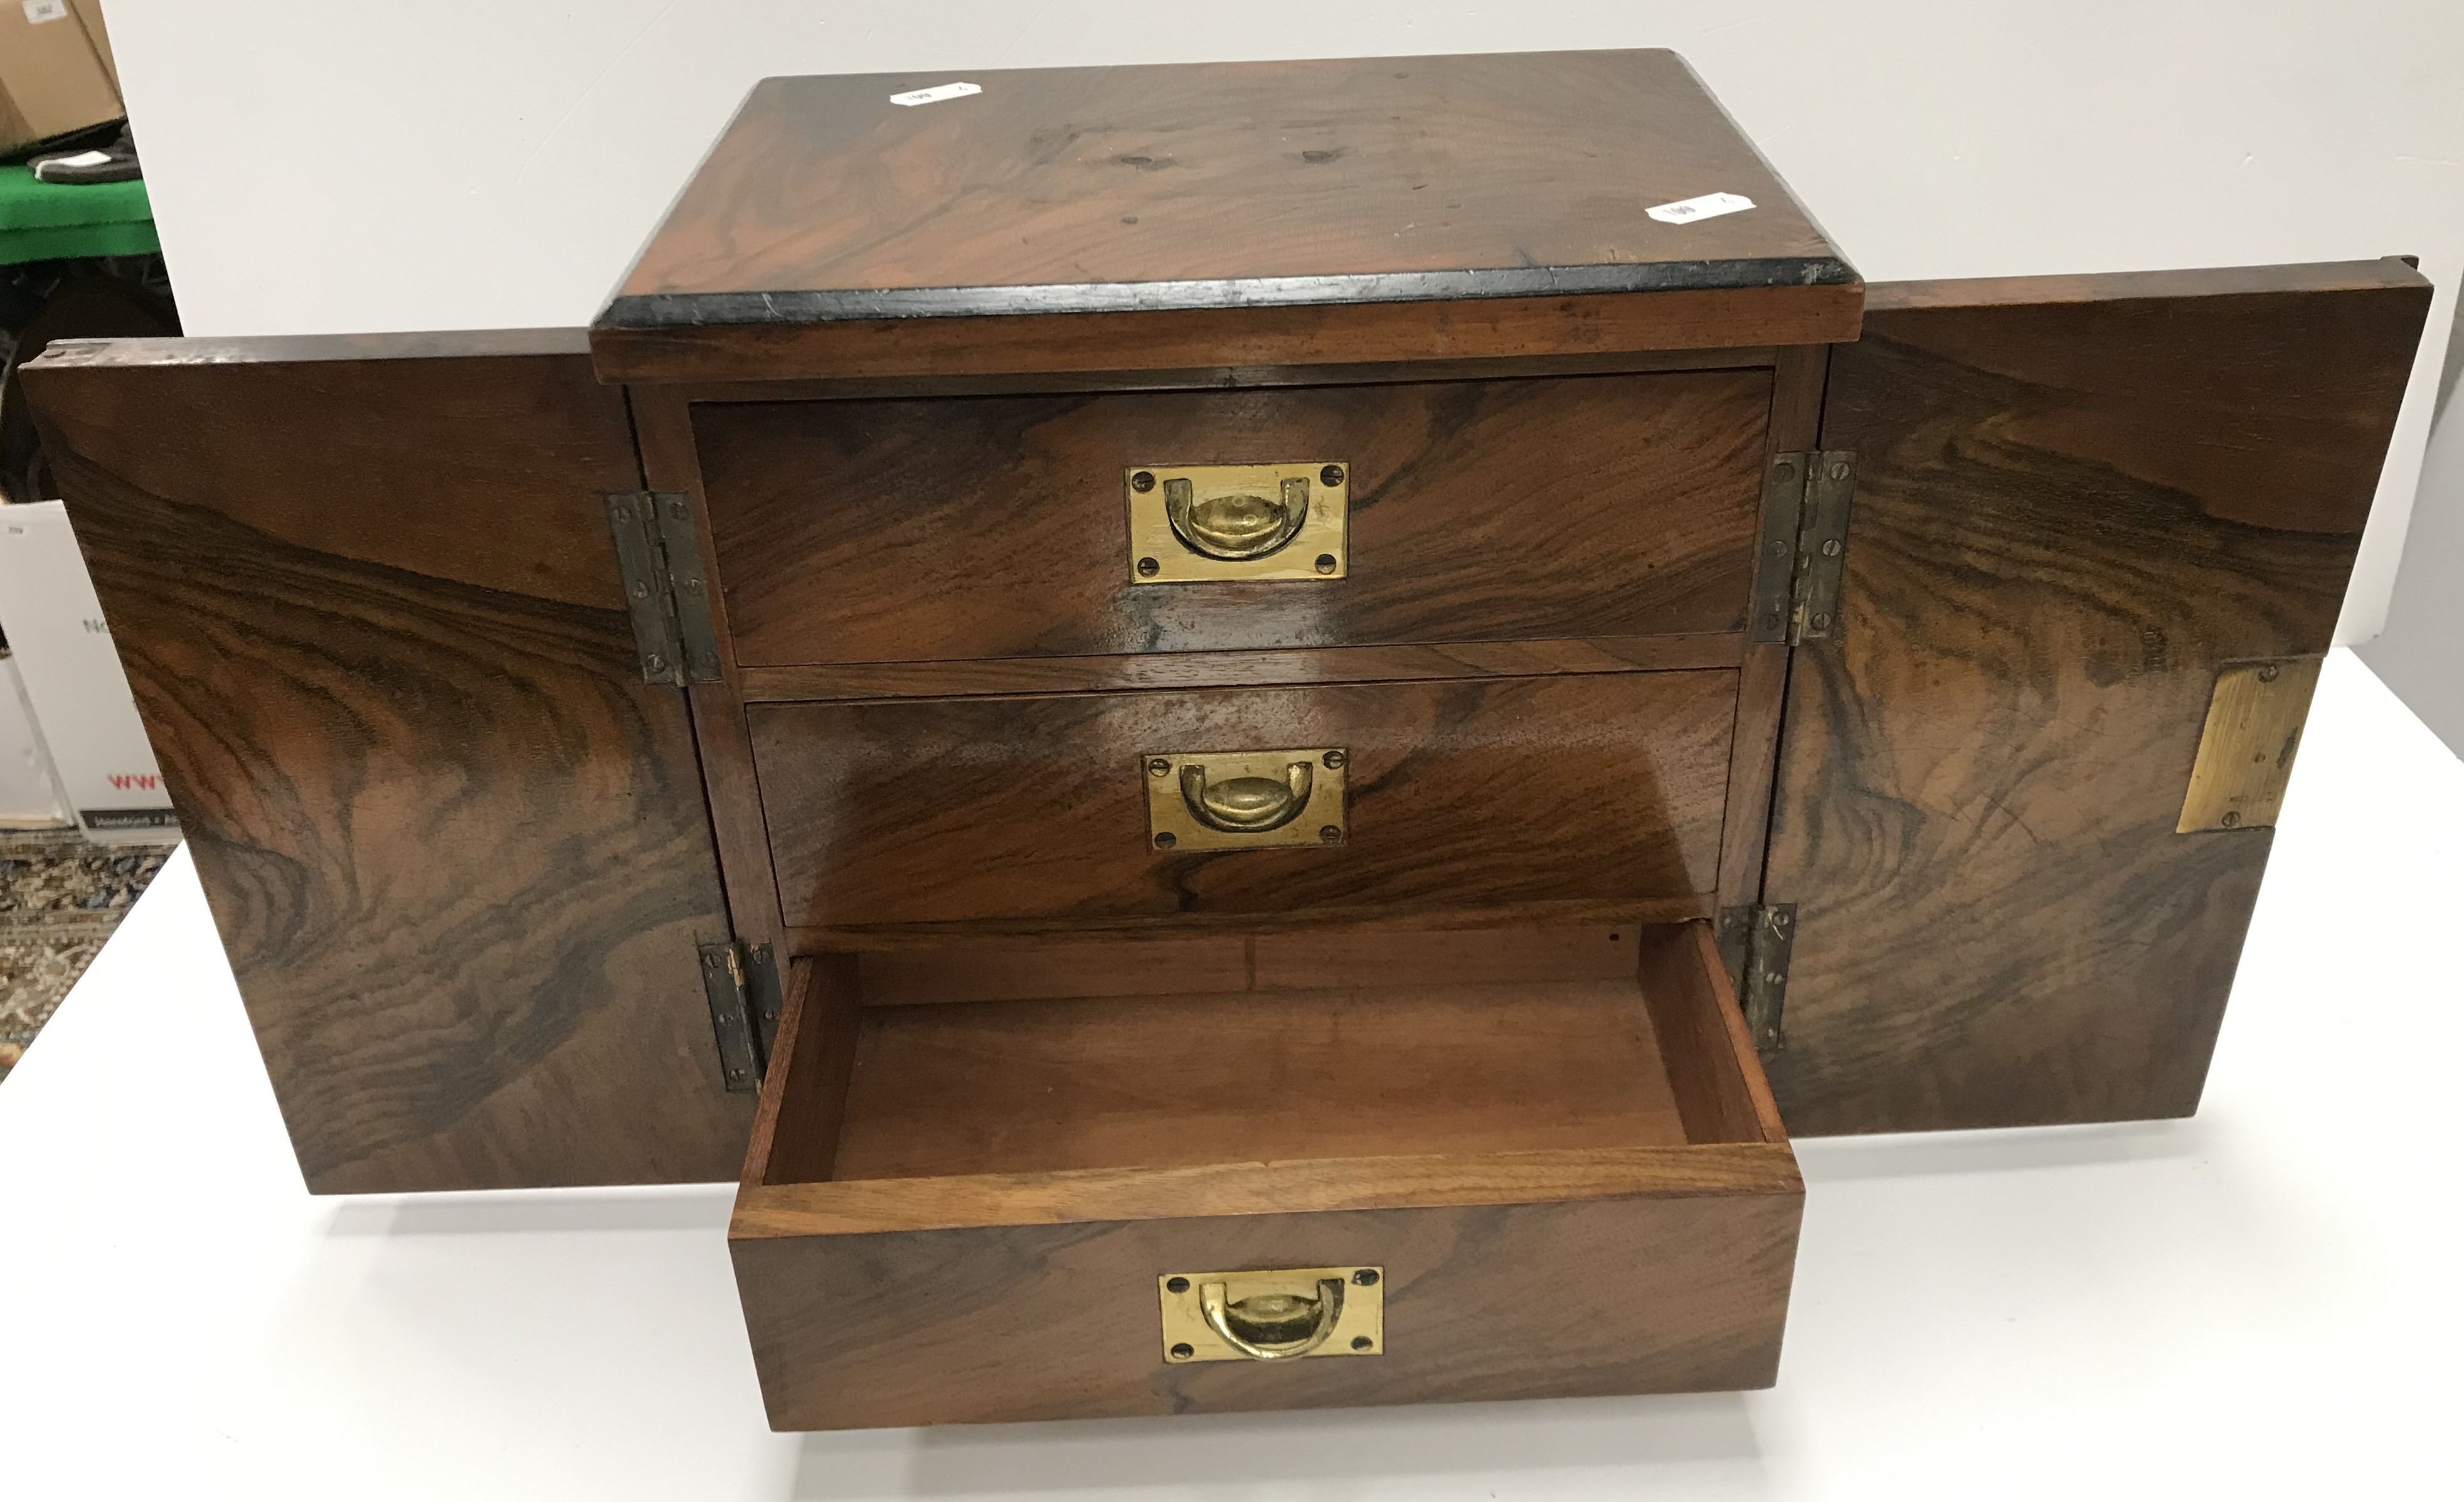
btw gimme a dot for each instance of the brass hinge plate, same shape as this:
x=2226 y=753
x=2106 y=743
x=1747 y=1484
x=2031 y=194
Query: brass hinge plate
x=667 y=590
x=1802 y=552
x=2253 y=727
x=741 y=985
x=1756 y=943
x=1276 y=1314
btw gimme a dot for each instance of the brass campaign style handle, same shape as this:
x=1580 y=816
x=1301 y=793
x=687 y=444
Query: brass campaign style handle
x=1272 y=1327
x=1236 y=526
x=1248 y=805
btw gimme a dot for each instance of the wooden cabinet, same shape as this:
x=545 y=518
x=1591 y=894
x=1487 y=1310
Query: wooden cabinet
x=1704 y=692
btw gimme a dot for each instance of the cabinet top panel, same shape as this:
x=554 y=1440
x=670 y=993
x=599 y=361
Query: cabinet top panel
x=1174 y=188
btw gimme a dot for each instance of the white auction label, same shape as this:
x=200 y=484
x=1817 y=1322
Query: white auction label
x=1710 y=206
x=37 y=12
x=937 y=94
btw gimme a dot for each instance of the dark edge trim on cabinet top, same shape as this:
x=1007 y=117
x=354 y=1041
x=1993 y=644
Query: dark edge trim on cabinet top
x=696 y=310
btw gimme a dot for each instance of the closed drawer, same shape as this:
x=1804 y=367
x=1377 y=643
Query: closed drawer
x=1552 y=1153
x=997 y=527
x=1599 y=788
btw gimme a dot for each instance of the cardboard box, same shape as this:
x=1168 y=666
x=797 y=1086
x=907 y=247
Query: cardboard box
x=57 y=74
x=30 y=796
x=73 y=678
x=90 y=16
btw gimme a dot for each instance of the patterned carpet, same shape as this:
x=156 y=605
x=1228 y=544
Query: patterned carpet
x=60 y=897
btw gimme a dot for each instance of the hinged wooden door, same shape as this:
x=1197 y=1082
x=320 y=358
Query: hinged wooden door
x=2077 y=500
x=457 y=849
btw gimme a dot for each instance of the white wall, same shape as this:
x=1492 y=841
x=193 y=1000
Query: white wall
x=321 y=166
x=2421 y=656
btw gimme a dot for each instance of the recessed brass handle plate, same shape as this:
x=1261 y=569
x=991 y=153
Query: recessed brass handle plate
x=1276 y=1314
x=1244 y=800
x=1196 y=522
x=2253 y=726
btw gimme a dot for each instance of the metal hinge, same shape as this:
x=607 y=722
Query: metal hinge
x=658 y=551
x=741 y=982
x=1756 y=941
x=1804 y=545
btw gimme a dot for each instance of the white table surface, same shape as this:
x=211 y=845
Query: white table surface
x=2258 y=1301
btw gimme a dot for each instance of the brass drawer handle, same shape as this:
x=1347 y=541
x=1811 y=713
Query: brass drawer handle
x=1207 y=523
x=1272 y=1327
x=1237 y=525
x=1273 y=1315
x=1246 y=800
x=1247 y=805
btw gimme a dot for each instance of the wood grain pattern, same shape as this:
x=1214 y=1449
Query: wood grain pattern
x=1003 y=970
x=457 y=848
x=1218 y=377
x=1604 y=786
x=1222 y=343
x=1519 y=1299
x=2076 y=497
x=865 y=1207
x=995 y=527
x=1516 y=955
x=1147 y=1081
x=1346 y=924
x=1142 y=196
x=1216 y=669
x=1010 y=970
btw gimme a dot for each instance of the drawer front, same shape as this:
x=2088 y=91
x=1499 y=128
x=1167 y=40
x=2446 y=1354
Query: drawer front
x=1458 y=794
x=993 y=527
x=1645 y=1293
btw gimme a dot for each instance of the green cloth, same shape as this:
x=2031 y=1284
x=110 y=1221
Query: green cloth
x=49 y=221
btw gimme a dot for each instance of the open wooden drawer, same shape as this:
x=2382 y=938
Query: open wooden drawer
x=1500 y=1164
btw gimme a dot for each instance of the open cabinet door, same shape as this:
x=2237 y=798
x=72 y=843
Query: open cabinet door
x=2077 y=498
x=457 y=849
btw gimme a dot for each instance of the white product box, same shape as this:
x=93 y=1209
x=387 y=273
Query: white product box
x=72 y=676
x=30 y=798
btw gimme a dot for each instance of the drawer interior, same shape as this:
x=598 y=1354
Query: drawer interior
x=1023 y=1086
x=1272 y=1048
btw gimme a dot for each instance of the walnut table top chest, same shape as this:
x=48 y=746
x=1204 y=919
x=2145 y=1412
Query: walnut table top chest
x=1245 y=734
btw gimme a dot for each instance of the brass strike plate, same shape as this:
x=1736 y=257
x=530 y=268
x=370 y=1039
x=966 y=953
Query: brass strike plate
x=1279 y=1314
x=1197 y=523
x=2255 y=721
x=1244 y=800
